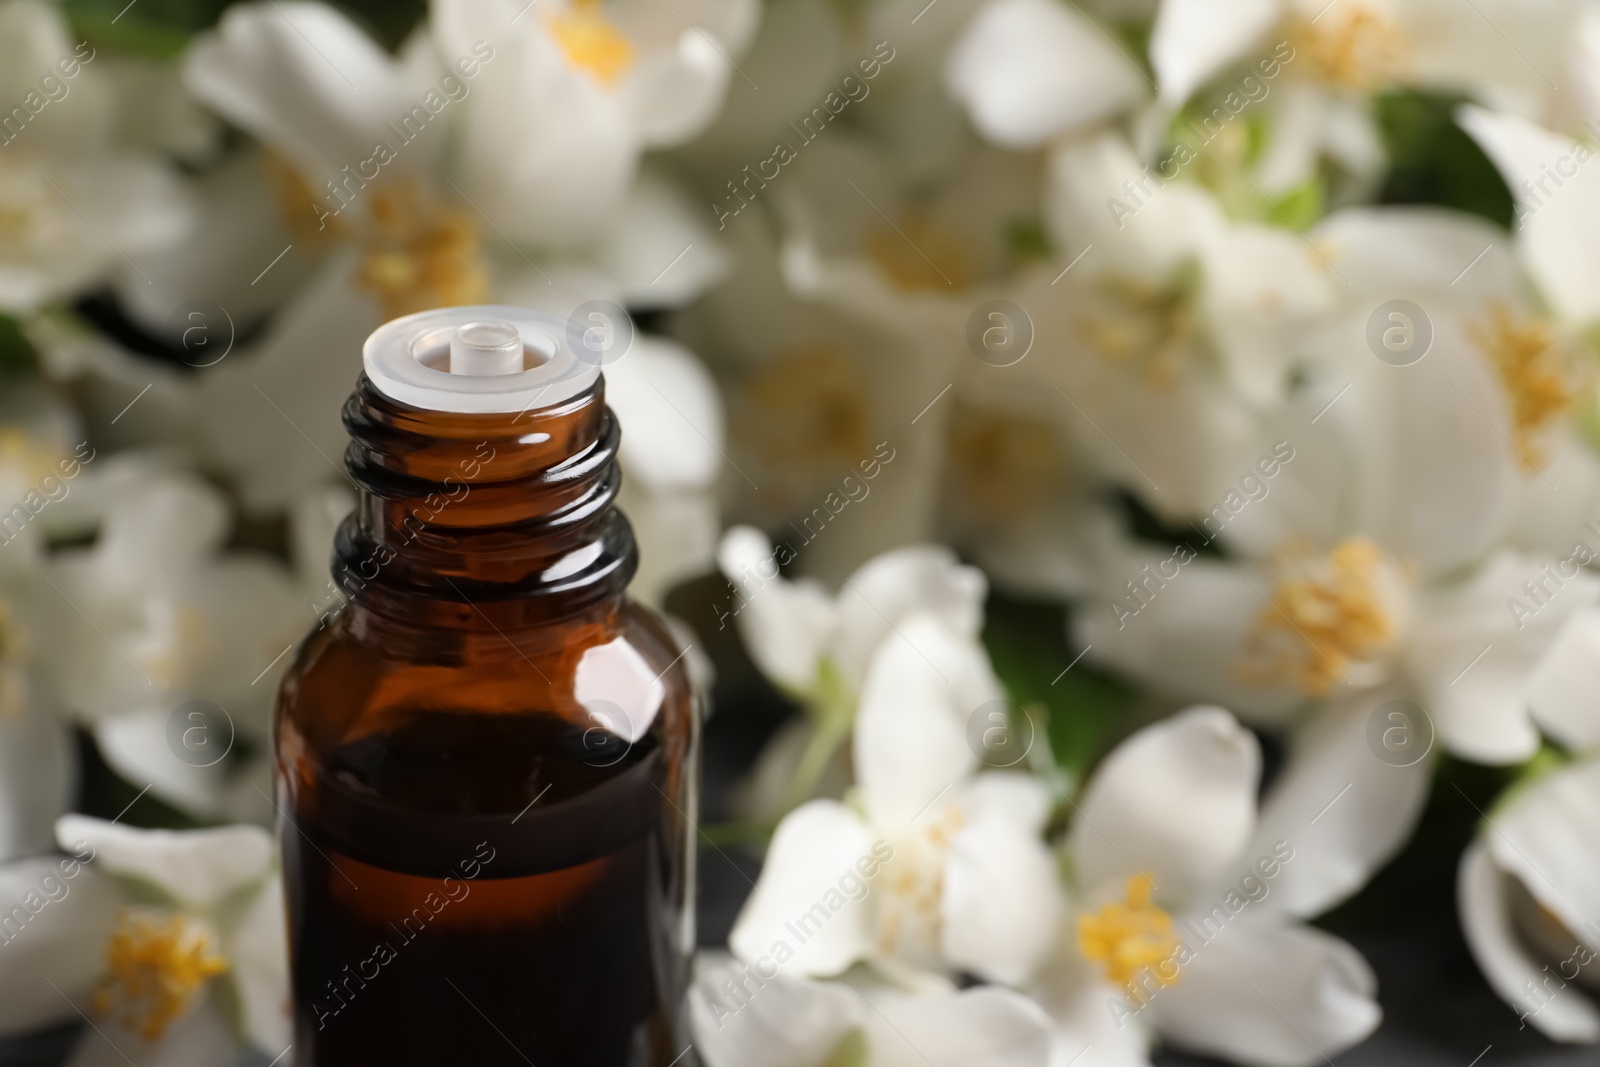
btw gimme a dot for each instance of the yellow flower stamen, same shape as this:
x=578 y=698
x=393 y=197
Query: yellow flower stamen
x=921 y=255
x=31 y=455
x=1353 y=45
x=1534 y=369
x=1328 y=614
x=179 y=638
x=310 y=217
x=419 y=254
x=910 y=890
x=1131 y=937
x=155 y=968
x=1004 y=464
x=29 y=225
x=805 y=411
x=591 y=42
x=1147 y=328
x=15 y=650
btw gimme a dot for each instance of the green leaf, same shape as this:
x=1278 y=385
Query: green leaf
x=1433 y=161
x=18 y=358
x=161 y=28
x=1026 y=241
x=1027 y=644
x=851 y=1051
x=1300 y=207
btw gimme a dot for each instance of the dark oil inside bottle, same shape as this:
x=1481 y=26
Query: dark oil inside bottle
x=504 y=876
x=486 y=759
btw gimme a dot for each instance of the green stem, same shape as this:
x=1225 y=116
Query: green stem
x=738 y=833
x=832 y=728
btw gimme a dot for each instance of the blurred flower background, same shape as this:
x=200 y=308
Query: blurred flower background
x=1127 y=473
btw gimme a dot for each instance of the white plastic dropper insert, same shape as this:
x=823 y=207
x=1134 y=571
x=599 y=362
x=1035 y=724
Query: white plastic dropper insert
x=481 y=359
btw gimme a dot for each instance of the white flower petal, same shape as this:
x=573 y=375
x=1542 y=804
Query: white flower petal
x=241 y=236
x=1269 y=995
x=198 y=867
x=160 y=533
x=1089 y=1033
x=1390 y=250
x=911 y=724
x=1191 y=635
x=55 y=928
x=671 y=415
x=38 y=777
x=259 y=969
x=994 y=1027
x=660 y=249
x=257 y=405
x=1264 y=287
x=1440 y=482
x=814 y=846
x=1028 y=70
x=1560 y=233
x=1549 y=837
x=1165 y=232
x=202 y=1036
x=135 y=746
x=1022 y=799
x=674 y=93
x=781 y=1021
x=1564 y=690
x=304 y=79
x=677 y=537
x=1002 y=901
x=314 y=519
x=1343 y=810
x=1483 y=713
x=1194 y=39
x=888 y=589
x=784 y=624
x=1177 y=801
x=547 y=153
x=1486 y=920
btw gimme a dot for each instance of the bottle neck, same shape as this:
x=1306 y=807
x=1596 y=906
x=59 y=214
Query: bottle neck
x=483 y=522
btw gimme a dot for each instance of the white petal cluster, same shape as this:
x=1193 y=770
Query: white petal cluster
x=1146 y=449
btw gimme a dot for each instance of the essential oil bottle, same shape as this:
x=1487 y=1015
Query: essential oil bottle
x=486 y=753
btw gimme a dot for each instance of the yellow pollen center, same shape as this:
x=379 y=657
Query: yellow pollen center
x=1533 y=368
x=309 y=217
x=911 y=900
x=805 y=414
x=179 y=638
x=591 y=42
x=13 y=642
x=1146 y=328
x=30 y=225
x=1130 y=937
x=14 y=652
x=1327 y=613
x=922 y=256
x=154 y=970
x=419 y=254
x=1004 y=465
x=1352 y=45
x=30 y=455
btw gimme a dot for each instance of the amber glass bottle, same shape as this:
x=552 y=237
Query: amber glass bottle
x=486 y=754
